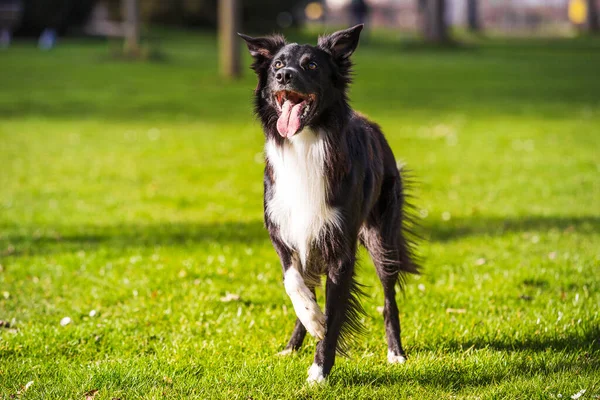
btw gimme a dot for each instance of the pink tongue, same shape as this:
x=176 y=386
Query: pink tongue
x=289 y=120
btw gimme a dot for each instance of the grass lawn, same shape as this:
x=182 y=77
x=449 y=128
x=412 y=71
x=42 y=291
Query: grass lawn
x=131 y=203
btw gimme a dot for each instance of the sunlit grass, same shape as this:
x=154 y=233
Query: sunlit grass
x=133 y=192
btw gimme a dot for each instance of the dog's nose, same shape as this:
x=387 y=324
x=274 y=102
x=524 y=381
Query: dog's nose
x=284 y=75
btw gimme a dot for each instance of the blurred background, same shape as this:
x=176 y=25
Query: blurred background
x=430 y=18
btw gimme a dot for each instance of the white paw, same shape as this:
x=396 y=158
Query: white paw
x=285 y=352
x=314 y=321
x=315 y=375
x=395 y=359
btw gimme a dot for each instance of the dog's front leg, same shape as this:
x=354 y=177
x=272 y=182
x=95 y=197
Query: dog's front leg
x=303 y=298
x=304 y=302
x=338 y=292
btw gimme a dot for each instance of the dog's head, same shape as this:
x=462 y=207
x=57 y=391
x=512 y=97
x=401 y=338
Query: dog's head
x=297 y=84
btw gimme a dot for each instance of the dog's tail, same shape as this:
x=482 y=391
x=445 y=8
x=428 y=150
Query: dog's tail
x=409 y=236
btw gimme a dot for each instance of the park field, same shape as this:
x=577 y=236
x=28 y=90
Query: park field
x=131 y=210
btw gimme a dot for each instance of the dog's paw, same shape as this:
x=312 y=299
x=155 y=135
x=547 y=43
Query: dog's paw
x=315 y=375
x=395 y=358
x=286 y=352
x=314 y=322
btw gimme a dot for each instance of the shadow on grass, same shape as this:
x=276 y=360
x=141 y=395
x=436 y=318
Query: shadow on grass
x=441 y=231
x=121 y=237
x=574 y=340
x=456 y=375
x=452 y=376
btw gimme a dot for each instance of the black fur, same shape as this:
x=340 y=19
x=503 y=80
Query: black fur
x=362 y=181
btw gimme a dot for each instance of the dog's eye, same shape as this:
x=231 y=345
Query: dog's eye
x=278 y=64
x=312 y=65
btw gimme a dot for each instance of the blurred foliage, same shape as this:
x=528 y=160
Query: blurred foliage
x=63 y=15
x=58 y=14
x=257 y=15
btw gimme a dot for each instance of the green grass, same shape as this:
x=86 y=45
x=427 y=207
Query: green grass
x=135 y=190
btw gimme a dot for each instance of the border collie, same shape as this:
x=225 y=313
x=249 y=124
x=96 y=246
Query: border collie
x=330 y=181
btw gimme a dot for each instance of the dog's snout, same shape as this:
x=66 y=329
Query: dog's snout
x=284 y=76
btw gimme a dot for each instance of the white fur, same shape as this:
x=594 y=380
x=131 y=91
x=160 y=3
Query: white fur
x=395 y=359
x=285 y=352
x=299 y=205
x=306 y=307
x=315 y=375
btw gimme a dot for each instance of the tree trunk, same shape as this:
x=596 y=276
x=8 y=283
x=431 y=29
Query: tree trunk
x=473 y=15
x=592 y=17
x=131 y=9
x=229 y=43
x=434 y=26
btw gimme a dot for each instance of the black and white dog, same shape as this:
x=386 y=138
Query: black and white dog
x=330 y=181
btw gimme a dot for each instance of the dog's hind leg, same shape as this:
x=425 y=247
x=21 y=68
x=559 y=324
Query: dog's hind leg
x=385 y=259
x=391 y=318
x=383 y=236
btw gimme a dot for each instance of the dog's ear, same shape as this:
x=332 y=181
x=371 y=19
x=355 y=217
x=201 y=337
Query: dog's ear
x=263 y=48
x=341 y=44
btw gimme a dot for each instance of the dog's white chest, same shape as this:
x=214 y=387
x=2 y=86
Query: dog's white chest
x=299 y=204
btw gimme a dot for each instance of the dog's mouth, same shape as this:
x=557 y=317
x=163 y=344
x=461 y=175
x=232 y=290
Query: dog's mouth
x=294 y=109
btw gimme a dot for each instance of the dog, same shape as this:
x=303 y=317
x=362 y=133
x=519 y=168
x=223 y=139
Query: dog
x=330 y=182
